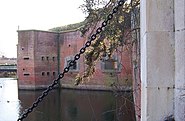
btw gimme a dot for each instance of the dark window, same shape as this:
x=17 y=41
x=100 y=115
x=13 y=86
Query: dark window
x=54 y=73
x=42 y=58
x=26 y=74
x=53 y=58
x=23 y=69
x=26 y=58
x=47 y=58
x=109 y=64
x=48 y=73
x=43 y=73
x=74 y=67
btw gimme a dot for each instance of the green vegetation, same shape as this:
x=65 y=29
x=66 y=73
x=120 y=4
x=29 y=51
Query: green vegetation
x=69 y=27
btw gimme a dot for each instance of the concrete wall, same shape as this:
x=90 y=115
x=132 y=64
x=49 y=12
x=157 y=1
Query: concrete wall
x=179 y=60
x=157 y=59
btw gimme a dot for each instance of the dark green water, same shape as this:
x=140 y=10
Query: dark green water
x=65 y=105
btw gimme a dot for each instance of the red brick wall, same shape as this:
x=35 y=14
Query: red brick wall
x=42 y=49
x=70 y=44
x=25 y=50
x=45 y=61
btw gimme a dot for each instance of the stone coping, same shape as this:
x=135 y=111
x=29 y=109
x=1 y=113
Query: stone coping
x=96 y=87
x=79 y=87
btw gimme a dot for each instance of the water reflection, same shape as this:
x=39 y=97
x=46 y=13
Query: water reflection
x=65 y=105
x=75 y=105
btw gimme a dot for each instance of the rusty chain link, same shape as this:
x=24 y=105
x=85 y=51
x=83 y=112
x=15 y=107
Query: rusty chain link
x=76 y=57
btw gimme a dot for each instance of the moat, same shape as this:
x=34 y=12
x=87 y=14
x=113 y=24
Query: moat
x=65 y=105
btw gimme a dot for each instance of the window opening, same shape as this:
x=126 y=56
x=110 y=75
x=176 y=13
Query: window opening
x=43 y=73
x=54 y=73
x=47 y=58
x=26 y=58
x=110 y=64
x=74 y=67
x=26 y=74
x=42 y=58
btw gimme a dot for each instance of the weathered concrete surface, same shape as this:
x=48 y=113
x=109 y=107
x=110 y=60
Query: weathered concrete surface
x=157 y=59
x=179 y=60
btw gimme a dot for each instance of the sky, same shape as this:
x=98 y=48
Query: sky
x=34 y=14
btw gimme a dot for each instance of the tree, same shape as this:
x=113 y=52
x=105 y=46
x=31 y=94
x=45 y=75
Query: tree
x=122 y=31
x=117 y=33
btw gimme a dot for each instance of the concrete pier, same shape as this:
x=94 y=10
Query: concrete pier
x=157 y=59
x=179 y=60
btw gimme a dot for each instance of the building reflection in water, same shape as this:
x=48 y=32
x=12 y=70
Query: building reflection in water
x=75 y=105
x=64 y=105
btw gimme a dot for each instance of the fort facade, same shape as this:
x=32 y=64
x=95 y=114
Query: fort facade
x=42 y=55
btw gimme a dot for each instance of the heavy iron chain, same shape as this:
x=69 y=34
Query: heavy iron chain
x=76 y=57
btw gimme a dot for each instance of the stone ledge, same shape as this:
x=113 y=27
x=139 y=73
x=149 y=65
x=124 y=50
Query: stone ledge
x=96 y=87
x=79 y=87
x=31 y=88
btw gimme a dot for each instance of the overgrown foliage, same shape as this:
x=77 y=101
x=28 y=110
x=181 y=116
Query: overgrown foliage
x=68 y=27
x=116 y=34
x=121 y=32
